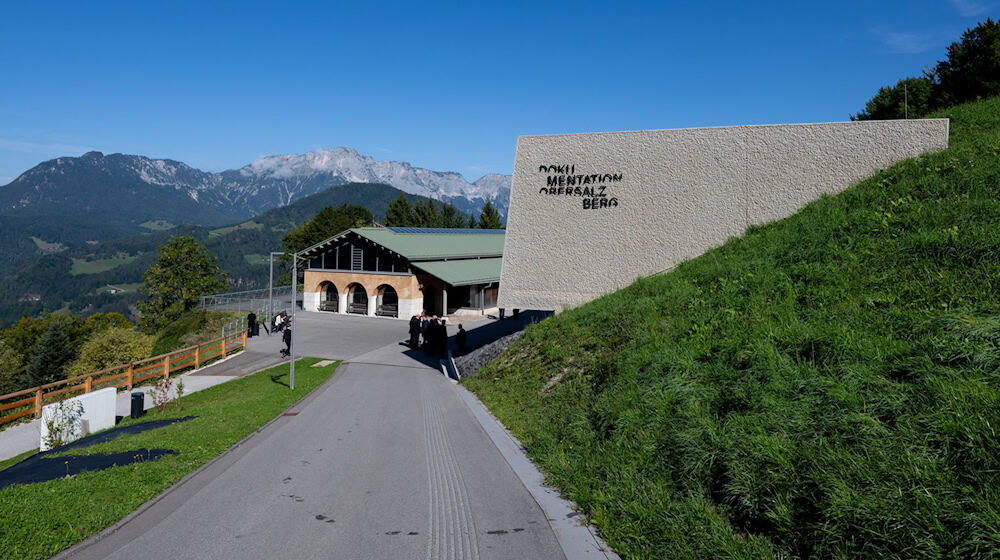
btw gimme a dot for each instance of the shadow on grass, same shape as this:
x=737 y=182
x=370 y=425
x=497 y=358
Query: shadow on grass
x=278 y=379
x=40 y=467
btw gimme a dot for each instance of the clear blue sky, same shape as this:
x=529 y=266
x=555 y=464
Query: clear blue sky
x=448 y=87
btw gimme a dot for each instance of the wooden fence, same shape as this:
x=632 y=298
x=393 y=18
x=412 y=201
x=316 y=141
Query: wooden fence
x=30 y=401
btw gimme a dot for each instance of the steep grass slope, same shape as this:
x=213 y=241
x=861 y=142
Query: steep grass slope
x=826 y=386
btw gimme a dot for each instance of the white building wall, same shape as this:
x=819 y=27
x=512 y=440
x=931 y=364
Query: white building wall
x=670 y=195
x=310 y=301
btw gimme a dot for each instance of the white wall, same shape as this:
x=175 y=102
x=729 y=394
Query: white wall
x=98 y=414
x=310 y=301
x=670 y=195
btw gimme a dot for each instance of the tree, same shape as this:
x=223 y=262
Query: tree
x=24 y=336
x=451 y=217
x=111 y=347
x=489 y=218
x=400 y=213
x=472 y=222
x=101 y=321
x=328 y=222
x=972 y=70
x=50 y=357
x=427 y=214
x=184 y=271
x=910 y=96
x=10 y=362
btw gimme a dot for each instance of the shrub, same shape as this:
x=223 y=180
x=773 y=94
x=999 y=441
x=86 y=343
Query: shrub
x=111 y=347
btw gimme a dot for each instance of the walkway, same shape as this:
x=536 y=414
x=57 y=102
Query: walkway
x=384 y=461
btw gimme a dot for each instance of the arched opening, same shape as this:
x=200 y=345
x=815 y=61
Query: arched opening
x=329 y=298
x=357 y=299
x=386 y=301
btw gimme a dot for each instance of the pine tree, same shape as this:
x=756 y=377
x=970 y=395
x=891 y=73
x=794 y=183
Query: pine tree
x=472 y=222
x=50 y=357
x=400 y=213
x=489 y=218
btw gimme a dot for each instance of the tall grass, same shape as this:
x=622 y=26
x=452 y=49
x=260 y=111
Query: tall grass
x=826 y=386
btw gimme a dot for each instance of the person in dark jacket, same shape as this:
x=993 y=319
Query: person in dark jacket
x=252 y=329
x=414 y=331
x=460 y=340
x=286 y=337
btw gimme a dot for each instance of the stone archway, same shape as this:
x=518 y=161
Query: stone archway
x=386 y=301
x=329 y=297
x=357 y=299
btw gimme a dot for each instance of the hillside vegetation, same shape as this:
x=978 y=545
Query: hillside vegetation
x=826 y=386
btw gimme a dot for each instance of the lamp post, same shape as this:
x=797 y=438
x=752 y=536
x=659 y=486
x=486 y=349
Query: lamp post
x=270 y=285
x=295 y=327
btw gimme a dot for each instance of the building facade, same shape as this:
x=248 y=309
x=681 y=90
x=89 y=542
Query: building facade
x=401 y=272
x=590 y=213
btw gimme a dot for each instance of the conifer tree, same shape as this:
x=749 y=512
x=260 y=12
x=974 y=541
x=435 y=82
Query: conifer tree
x=489 y=218
x=50 y=357
x=400 y=213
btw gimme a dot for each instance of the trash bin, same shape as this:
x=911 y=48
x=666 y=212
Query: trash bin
x=138 y=404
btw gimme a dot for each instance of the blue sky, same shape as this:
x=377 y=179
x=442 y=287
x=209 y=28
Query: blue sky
x=443 y=86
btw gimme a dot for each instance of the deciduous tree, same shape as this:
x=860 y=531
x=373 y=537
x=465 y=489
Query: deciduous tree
x=184 y=271
x=110 y=347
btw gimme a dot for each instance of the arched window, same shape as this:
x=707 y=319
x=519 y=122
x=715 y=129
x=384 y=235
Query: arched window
x=357 y=299
x=387 y=301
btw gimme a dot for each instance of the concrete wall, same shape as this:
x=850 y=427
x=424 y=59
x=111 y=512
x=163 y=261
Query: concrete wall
x=639 y=203
x=98 y=414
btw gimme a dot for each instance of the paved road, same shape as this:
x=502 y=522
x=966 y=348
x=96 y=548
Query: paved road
x=383 y=461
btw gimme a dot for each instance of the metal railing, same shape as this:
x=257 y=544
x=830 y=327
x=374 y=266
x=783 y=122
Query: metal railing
x=252 y=300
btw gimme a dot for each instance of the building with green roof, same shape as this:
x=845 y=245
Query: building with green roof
x=401 y=272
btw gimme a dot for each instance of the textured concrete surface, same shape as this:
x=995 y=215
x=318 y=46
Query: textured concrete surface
x=384 y=461
x=664 y=196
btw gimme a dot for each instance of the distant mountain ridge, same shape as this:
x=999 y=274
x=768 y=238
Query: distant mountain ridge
x=147 y=188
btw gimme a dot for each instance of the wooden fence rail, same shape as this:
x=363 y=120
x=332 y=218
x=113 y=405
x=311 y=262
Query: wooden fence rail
x=30 y=401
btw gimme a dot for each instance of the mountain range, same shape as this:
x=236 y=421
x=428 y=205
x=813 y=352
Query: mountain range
x=164 y=189
x=68 y=201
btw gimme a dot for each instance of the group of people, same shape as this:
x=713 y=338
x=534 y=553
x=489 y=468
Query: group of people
x=431 y=334
x=280 y=322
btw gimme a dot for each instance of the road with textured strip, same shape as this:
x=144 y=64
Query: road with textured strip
x=385 y=460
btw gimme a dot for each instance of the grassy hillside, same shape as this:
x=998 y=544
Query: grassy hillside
x=826 y=386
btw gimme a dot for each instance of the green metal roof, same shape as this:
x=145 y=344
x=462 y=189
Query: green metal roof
x=464 y=271
x=424 y=245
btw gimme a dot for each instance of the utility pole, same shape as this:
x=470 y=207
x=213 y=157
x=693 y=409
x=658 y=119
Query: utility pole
x=270 y=285
x=295 y=326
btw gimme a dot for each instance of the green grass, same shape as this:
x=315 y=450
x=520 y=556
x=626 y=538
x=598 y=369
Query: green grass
x=43 y=518
x=245 y=225
x=826 y=386
x=157 y=225
x=127 y=288
x=86 y=266
x=255 y=259
x=46 y=247
x=17 y=458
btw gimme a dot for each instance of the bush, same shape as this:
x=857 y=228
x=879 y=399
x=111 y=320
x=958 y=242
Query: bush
x=111 y=347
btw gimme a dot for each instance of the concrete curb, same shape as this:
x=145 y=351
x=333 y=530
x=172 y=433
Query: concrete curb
x=578 y=540
x=83 y=546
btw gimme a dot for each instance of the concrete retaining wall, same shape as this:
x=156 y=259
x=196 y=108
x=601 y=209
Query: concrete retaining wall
x=590 y=213
x=98 y=414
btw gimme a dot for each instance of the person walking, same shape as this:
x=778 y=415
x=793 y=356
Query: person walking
x=286 y=337
x=460 y=339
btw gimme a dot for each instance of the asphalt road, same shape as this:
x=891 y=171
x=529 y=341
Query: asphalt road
x=383 y=461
